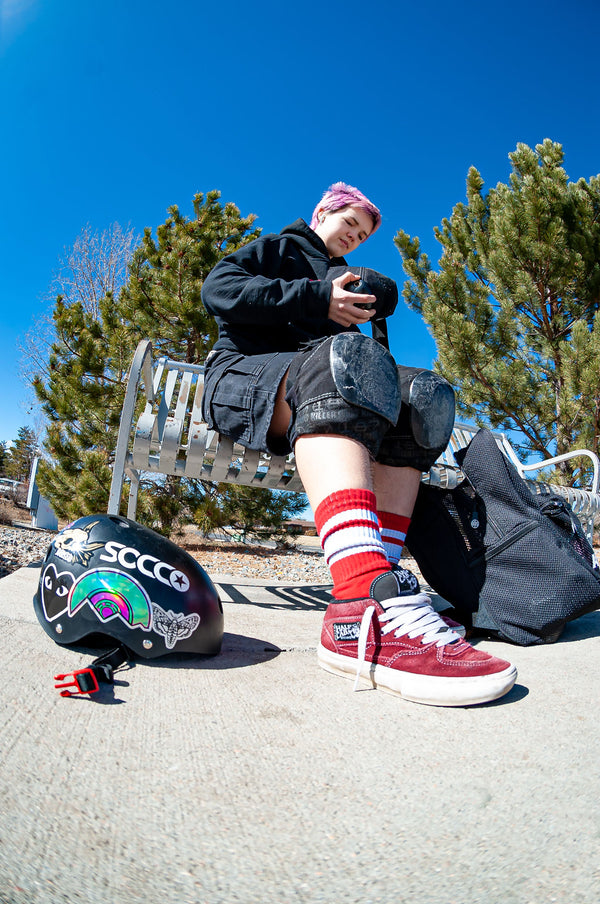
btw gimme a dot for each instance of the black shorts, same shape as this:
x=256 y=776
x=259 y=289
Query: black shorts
x=239 y=397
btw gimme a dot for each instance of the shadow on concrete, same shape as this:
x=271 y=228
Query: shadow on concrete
x=581 y=628
x=238 y=651
x=306 y=598
x=517 y=693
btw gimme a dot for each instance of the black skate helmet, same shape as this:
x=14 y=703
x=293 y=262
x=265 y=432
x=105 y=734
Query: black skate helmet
x=107 y=575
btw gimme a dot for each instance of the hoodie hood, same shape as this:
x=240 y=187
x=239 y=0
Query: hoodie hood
x=313 y=247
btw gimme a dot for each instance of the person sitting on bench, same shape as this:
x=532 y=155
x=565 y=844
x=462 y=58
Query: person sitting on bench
x=292 y=370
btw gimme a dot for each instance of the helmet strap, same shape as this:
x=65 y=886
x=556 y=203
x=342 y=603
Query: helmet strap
x=101 y=671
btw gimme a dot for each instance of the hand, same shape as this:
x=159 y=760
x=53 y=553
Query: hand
x=343 y=304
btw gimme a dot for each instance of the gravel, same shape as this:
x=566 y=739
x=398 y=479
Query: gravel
x=21 y=546
x=293 y=566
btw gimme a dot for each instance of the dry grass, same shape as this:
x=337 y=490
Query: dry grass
x=10 y=512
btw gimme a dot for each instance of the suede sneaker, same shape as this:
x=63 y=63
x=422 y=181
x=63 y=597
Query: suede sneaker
x=396 y=641
x=410 y=584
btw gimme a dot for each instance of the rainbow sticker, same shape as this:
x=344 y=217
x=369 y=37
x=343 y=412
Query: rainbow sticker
x=112 y=594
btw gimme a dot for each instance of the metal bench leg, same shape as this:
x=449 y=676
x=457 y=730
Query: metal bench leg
x=134 y=486
x=141 y=366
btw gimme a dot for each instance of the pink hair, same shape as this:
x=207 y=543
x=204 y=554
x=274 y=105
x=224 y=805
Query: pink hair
x=341 y=195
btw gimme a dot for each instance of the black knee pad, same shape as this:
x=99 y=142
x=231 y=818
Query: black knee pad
x=347 y=385
x=425 y=424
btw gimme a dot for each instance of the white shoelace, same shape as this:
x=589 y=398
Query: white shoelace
x=405 y=615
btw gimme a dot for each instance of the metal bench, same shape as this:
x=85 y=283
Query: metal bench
x=170 y=437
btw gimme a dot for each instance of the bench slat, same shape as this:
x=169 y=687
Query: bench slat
x=174 y=424
x=198 y=434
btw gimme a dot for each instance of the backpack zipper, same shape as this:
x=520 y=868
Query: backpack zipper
x=499 y=547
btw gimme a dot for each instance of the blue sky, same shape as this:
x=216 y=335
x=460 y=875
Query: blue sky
x=114 y=111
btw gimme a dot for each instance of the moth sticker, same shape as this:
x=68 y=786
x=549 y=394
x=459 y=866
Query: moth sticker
x=173 y=626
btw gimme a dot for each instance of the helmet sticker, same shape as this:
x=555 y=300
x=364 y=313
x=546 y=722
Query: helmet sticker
x=111 y=594
x=54 y=588
x=173 y=626
x=73 y=545
x=131 y=558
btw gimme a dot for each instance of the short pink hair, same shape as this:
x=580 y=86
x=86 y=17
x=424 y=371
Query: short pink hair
x=341 y=195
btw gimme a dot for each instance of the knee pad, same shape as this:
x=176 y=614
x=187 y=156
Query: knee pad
x=424 y=427
x=432 y=408
x=348 y=385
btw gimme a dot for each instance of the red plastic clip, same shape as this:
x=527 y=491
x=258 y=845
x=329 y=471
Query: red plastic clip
x=84 y=680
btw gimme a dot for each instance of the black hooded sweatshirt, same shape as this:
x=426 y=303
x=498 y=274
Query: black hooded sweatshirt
x=272 y=295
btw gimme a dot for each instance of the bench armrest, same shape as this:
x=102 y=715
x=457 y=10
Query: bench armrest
x=141 y=369
x=576 y=453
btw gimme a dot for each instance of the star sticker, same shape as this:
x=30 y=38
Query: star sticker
x=180 y=581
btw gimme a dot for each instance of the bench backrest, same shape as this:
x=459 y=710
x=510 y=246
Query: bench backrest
x=171 y=437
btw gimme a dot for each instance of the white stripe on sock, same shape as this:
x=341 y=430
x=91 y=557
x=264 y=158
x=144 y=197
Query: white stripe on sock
x=335 y=521
x=391 y=535
x=350 y=541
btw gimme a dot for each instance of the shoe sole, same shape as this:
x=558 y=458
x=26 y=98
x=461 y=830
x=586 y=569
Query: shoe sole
x=428 y=689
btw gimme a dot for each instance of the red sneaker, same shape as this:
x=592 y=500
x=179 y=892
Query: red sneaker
x=453 y=625
x=396 y=641
x=408 y=583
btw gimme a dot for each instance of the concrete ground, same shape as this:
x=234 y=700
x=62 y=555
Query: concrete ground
x=257 y=777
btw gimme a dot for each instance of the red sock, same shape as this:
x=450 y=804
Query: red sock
x=393 y=534
x=348 y=526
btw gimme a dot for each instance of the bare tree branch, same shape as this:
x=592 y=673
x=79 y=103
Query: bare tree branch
x=96 y=264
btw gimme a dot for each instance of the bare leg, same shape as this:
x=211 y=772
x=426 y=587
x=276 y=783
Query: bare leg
x=282 y=412
x=396 y=489
x=329 y=463
x=325 y=463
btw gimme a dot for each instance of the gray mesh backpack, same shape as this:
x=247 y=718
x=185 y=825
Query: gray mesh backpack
x=513 y=564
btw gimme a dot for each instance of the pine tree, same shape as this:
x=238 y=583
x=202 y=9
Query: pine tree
x=162 y=297
x=21 y=454
x=3 y=458
x=83 y=395
x=514 y=305
x=82 y=399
